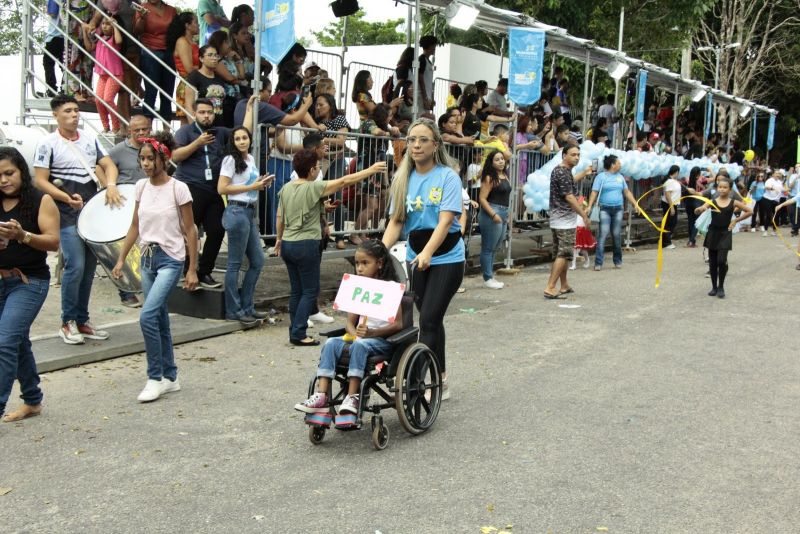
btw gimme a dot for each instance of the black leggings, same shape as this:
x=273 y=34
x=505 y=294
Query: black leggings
x=433 y=290
x=766 y=209
x=672 y=222
x=718 y=267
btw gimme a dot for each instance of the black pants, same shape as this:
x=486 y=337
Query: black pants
x=672 y=222
x=433 y=290
x=766 y=209
x=56 y=47
x=208 y=208
x=718 y=267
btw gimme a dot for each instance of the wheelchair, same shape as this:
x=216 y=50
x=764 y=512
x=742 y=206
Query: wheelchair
x=407 y=379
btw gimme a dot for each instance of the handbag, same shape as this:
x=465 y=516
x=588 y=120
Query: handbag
x=594 y=215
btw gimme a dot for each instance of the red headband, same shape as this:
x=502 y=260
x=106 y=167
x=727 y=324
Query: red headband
x=157 y=146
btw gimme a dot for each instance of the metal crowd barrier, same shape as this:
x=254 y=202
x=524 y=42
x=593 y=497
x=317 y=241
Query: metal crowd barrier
x=379 y=77
x=334 y=65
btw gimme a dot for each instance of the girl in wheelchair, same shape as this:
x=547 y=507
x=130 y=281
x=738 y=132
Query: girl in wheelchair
x=365 y=337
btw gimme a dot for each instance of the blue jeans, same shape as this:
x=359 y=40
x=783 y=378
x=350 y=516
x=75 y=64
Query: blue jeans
x=162 y=78
x=690 y=204
x=610 y=221
x=76 y=280
x=282 y=169
x=160 y=273
x=19 y=305
x=360 y=350
x=302 y=262
x=492 y=235
x=241 y=223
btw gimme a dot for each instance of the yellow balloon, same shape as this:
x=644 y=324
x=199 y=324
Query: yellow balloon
x=749 y=155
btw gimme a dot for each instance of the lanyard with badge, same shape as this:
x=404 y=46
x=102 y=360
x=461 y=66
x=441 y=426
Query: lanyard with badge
x=209 y=175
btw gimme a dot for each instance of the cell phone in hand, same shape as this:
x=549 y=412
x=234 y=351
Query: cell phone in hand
x=138 y=7
x=595 y=165
x=306 y=91
x=212 y=131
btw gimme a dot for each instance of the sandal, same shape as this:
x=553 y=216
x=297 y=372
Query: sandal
x=553 y=297
x=566 y=291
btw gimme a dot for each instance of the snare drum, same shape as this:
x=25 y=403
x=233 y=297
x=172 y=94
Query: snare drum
x=104 y=229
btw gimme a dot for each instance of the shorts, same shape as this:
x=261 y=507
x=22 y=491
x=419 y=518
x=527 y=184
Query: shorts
x=564 y=242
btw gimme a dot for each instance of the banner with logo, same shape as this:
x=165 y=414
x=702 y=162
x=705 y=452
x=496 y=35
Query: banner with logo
x=709 y=108
x=641 y=91
x=526 y=63
x=771 y=132
x=277 y=29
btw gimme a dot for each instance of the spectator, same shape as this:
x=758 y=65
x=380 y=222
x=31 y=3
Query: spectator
x=336 y=128
x=526 y=142
x=230 y=68
x=185 y=53
x=299 y=234
x=106 y=45
x=361 y=96
x=470 y=104
x=54 y=45
x=325 y=86
x=402 y=72
x=199 y=153
x=773 y=189
x=564 y=101
x=454 y=95
x=163 y=225
x=563 y=207
x=208 y=85
x=496 y=102
x=693 y=187
x=71 y=155
x=292 y=62
x=242 y=46
x=428 y=45
x=212 y=18
x=670 y=200
x=495 y=198
x=459 y=146
x=151 y=26
x=498 y=141
x=609 y=112
x=29 y=231
x=125 y=156
x=240 y=181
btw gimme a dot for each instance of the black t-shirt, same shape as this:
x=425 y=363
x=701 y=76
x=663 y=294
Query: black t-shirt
x=471 y=126
x=500 y=194
x=212 y=88
x=32 y=262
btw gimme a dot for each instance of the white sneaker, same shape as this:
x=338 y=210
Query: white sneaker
x=764 y=233
x=168 y=386
x=152 y=391
x=752 y=229
x=493 y=284
x=310 y=324
x=70 y=334
x=773 y=234
x=671 y=246
x=572 y=266
x=321 y=318
x=445 y=390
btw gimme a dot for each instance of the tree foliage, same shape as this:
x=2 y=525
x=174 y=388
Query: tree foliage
x=11 y=12
x=361 y=32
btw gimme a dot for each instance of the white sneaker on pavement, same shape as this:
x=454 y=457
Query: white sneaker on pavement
x=70 y=334
x=493 y=284
x=152 y=391
x=320 y=317
x=671 y=246
x=445 y=390
x=168 y=386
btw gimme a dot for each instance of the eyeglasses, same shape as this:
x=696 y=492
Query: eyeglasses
x=421 y=140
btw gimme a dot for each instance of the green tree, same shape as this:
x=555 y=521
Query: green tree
x=361 y=32
x=11 y=12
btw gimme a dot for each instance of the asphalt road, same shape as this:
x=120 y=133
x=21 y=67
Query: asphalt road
x=642 y=410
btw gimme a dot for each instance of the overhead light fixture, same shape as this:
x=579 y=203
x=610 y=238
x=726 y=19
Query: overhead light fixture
x=461 y=16
x=699 y=94
x=617 y=69
x=344 y=8
x=745 y=110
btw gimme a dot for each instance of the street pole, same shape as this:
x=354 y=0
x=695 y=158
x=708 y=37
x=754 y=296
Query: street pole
x=619 y=49
x=415 y=69
x=716 y=86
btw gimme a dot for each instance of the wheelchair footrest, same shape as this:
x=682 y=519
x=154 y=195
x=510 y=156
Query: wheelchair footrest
x=319 y=419
x=347 y=421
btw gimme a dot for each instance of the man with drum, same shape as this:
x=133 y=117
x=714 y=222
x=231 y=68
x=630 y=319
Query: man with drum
x=125 y=156
x=65 y=165
x=201 y=149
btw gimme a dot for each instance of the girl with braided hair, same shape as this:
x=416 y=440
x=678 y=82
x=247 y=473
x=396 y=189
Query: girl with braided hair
x=164 y=226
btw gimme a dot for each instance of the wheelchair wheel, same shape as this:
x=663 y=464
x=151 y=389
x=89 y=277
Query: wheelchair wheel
x=419 y=391
x=380 y=436
x=316 y=434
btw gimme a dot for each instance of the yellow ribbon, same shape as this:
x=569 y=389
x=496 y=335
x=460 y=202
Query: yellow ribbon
x=778 y=231
x=662 y=231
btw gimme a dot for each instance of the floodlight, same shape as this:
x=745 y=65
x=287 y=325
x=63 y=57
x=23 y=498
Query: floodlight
x=617 y=69
x=461 y=16
x=745 y=110
x=698 y=94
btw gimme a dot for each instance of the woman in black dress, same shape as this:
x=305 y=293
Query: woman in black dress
x=719 y=239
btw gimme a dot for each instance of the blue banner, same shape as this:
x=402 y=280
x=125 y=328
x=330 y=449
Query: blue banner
x=641 y=91
x=755 y=124
x=771 y=132
x=525 y=65
x=277 y=29
x=709 y=109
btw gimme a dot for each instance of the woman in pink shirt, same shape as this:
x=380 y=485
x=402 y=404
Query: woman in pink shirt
x=107 y=62
x=164 y=225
